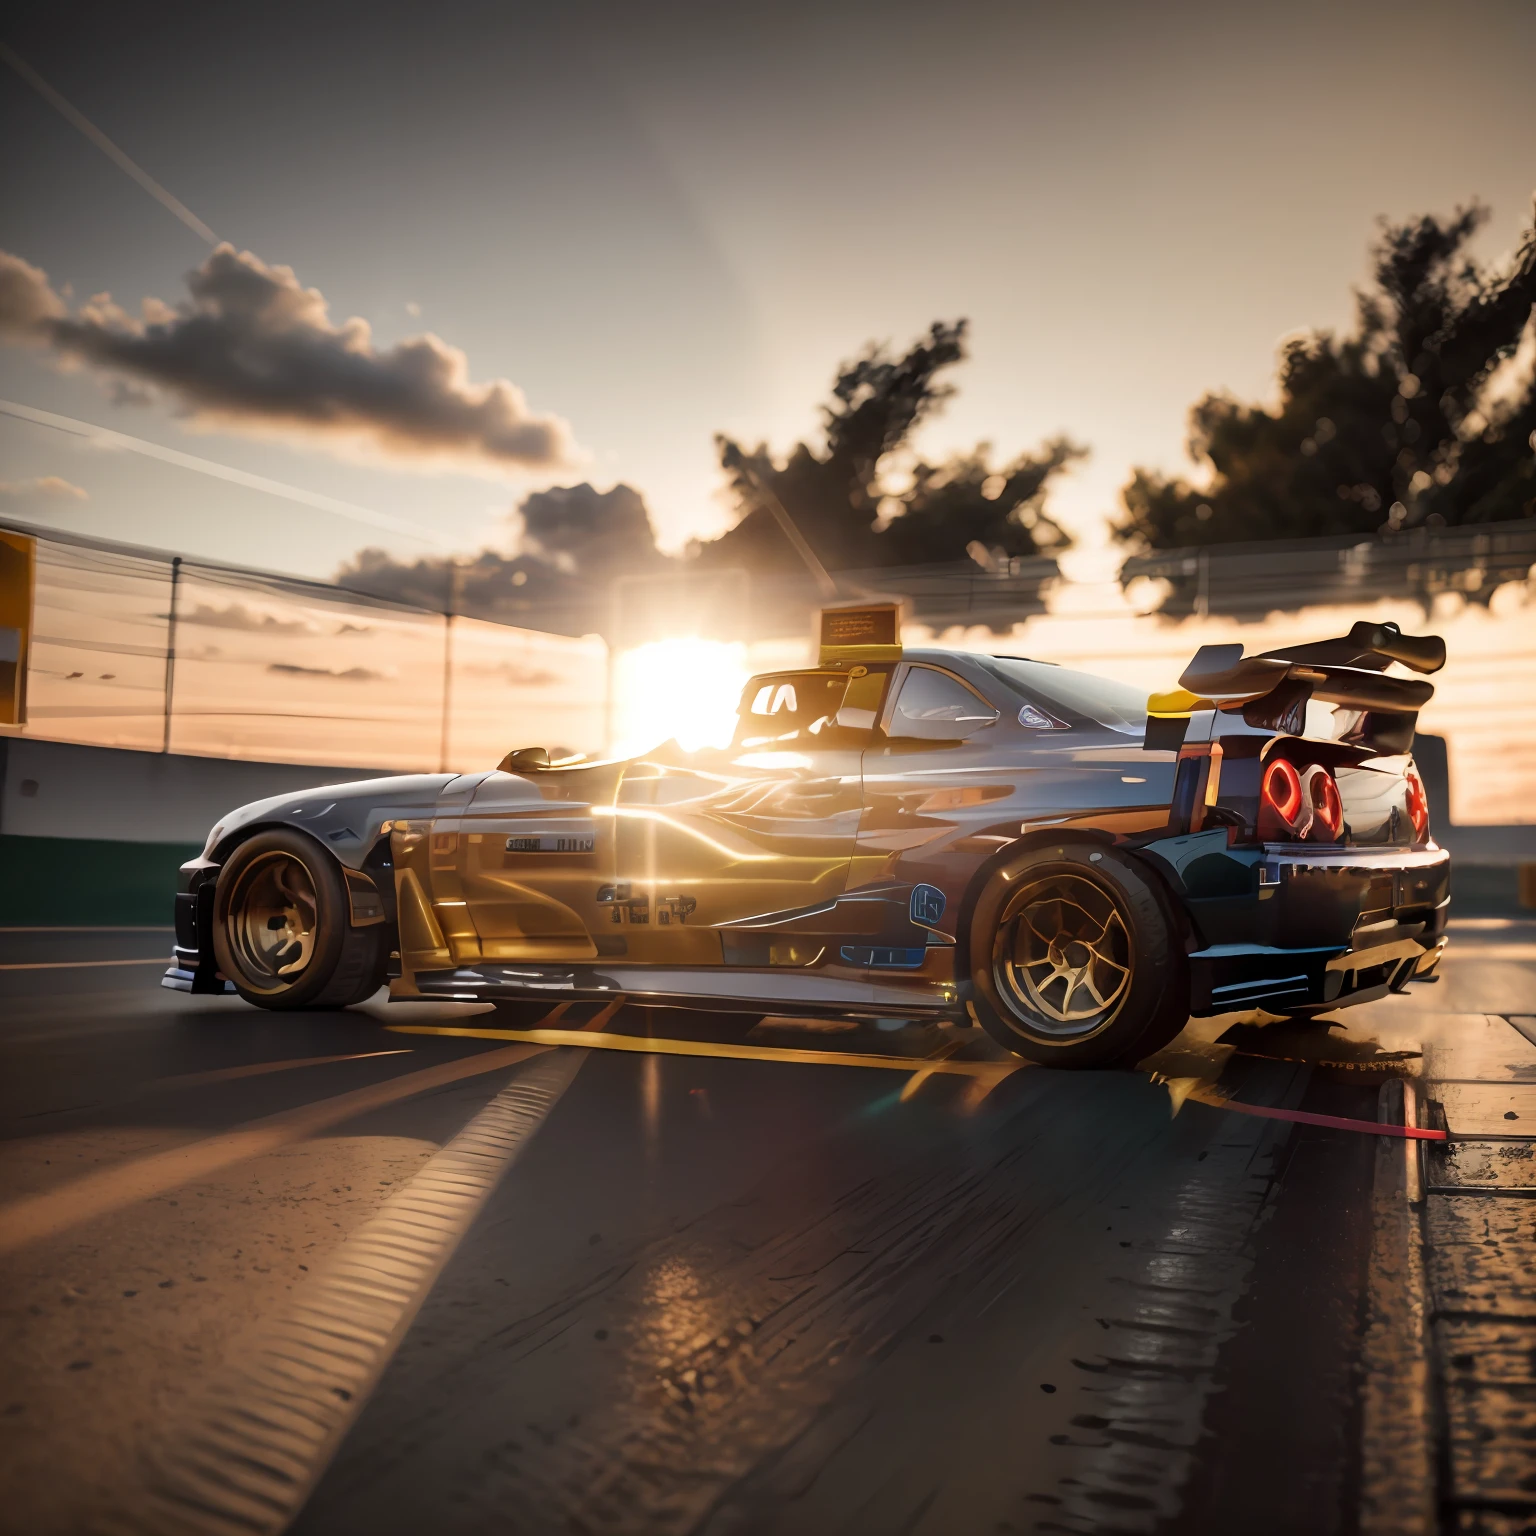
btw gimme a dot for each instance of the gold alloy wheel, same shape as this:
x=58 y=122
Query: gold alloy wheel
x=273 y=920
x=1063 y=956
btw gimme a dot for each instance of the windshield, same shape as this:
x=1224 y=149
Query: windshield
x=1117 y=706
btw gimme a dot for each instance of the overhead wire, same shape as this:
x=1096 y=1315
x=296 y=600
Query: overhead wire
x=109 y=438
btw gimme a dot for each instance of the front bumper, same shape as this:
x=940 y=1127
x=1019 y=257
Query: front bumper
x=1321 y=928
x=193 y=968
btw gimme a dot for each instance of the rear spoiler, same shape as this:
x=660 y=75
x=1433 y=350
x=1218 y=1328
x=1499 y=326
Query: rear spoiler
x=1273 y=689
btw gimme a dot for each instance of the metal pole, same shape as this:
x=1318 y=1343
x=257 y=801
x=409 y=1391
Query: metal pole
x=608 y=698
x=611 y=668
x=170 y=652
x=448 y=615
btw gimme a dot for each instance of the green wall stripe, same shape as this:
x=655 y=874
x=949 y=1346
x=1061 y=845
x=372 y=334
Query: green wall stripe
x=46 y=880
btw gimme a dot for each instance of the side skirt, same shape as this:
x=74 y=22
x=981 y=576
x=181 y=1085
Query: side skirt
x=726 y=989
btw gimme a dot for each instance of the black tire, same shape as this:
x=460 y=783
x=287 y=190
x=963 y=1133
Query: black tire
x=282 y=928
x=1109 y=982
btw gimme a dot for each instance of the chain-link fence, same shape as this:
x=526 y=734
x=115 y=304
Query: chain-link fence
x=131 y=648
x=134 y=648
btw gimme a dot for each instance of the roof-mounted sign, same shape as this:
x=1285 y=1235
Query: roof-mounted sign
x=862 y=632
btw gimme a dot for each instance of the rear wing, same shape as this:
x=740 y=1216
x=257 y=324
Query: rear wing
x=1272 y=689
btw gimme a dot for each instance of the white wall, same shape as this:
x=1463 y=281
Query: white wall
x=57 y=789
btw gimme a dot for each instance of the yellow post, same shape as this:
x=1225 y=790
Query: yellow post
x=18 y=562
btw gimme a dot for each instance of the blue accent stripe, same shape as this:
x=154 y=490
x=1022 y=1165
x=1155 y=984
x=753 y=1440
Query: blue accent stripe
x=1268 y=984
x=880 y=959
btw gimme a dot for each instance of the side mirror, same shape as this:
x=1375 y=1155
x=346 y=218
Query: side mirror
x=525 y=760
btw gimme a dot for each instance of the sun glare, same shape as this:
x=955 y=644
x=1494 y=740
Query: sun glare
x=682 y=689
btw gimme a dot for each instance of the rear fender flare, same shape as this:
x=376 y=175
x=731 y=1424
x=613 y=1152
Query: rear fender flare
x=1044 y=837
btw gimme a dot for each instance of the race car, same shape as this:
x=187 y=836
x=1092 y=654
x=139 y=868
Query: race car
x=891 y=833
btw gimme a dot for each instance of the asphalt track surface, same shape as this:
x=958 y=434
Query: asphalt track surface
x=411 y=1268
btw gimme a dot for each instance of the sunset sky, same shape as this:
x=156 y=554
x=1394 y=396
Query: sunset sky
x=660 y=221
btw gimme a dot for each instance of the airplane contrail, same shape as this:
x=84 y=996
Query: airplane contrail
x=107 y=438
x=105 y=145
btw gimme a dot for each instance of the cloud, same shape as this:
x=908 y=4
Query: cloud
x=579 y=528
x=253 y=350
x=238 y=616
x=518 y=675
x=27 y=304
x=573 y=539
x=45 y=487
x=125 y=392
x=351 y=675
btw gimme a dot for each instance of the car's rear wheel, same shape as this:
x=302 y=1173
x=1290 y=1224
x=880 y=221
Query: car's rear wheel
x=281 y=927
x=1075 y=958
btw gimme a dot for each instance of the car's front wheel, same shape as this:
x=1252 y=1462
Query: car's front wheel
x=1075 y=958
x=281 y=928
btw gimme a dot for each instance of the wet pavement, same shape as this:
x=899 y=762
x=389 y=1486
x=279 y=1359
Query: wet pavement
x=629 y=1270
x=1478 y=1221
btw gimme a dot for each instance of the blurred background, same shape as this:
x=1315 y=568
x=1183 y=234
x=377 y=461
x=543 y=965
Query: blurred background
x=383 y=393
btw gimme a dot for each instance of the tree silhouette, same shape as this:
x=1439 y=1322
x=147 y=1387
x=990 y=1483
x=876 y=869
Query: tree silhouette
x=835 y=492
x=1424 y=416
x=574 y=539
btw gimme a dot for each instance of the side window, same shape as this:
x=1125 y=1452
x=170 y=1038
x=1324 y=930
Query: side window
x=932 y=706
x=788 y=706
x=775 y=699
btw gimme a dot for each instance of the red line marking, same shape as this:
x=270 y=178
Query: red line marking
x=1336 y=1122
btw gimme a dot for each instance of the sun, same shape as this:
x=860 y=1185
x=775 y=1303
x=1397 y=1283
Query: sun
x=685 y=690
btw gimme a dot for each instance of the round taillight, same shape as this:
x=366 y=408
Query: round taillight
x=1282 y=789
x=1327 y=807
x=1418 y=804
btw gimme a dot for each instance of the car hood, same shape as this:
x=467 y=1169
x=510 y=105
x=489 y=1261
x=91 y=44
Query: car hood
x=345 y=817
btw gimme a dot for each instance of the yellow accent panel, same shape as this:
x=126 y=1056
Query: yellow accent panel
x=831 y=653
x=866 y=690
x=505 y=908
x=1213 y=778
x=18 y=561
x=1175 y=702
x=423 y=946
x=861 y=632
x=420 y=937
x=650 y=1045
x=575 y=947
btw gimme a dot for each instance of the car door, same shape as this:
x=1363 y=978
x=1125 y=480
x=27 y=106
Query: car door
x=710 y=840
x=533 y=854
x=935 y=770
